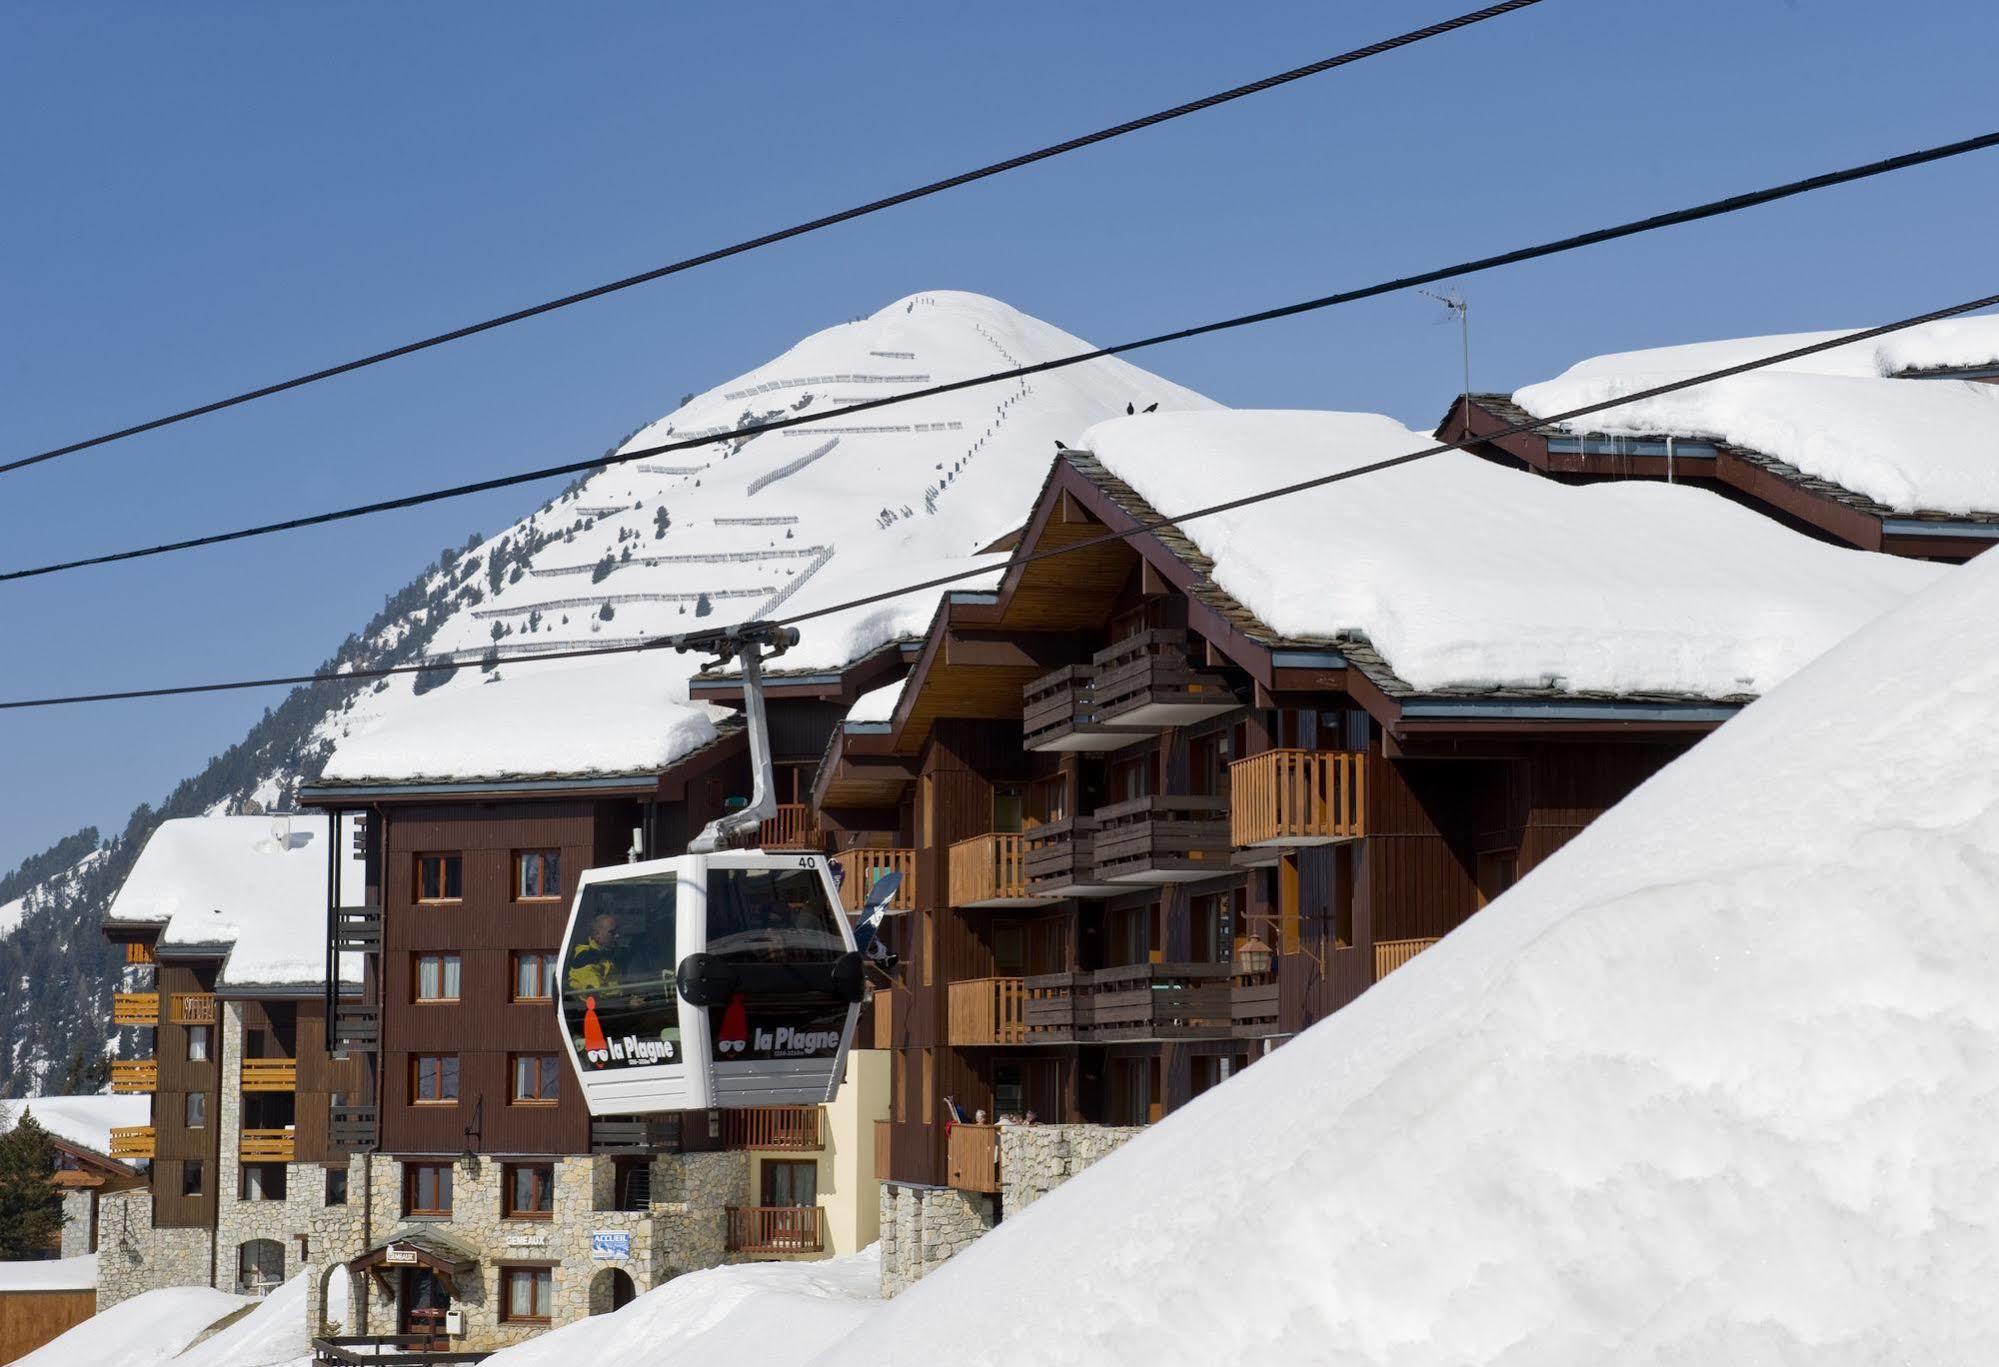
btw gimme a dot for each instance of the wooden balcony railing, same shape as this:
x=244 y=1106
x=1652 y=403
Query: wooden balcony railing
x=1162 y=840
x=883 y=1135
x=971 y=1158
x=1147 y=681
x=1390 y=955
x=132 y=1141
x=267 y=1146
x=791 y=829
x=1296 y=797
x=1253 y=1008
x=987 y=1011
x=1060 y=860
x=991 y=871
x=791 y=1128
x=194 y=1008
x=774 y=1229
x=639 y=1133
x=357 y=930
x=351 y=1129
x=357 y=1027
x=1132 y=1003
x=133 y=1076
x=860 y=867
x=270 y=1074
x=884 y=1008
x=135 y=1008
x=137 y=953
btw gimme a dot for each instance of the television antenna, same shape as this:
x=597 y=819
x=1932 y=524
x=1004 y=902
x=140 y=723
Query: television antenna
x=1456 y=305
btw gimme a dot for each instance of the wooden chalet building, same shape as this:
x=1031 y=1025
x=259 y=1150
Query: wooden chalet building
x=219 y=921
x=1146 y=838
x=1910 y=511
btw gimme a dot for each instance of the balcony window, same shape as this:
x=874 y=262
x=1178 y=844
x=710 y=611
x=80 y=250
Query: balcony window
x=788 y=1182
x=534 y=975
x=196 y=1114
x=1131 y=779
x=190 y=1178
x=434 y=1079
x=427 y=1189
x=437 y=977
x=535 y=1080
x=527 y=1294
x=538 y=875
x=440 y=877
x=1009 y=806
x=1208 y=764
x=1213 y=928
x=197 y=1043
x=530 y=1191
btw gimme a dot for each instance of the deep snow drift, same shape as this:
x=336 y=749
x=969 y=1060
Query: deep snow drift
x=1913 y=445
x=148 y=1331
x=754 y=527
x=1716 y=1084
x=767 y=1314
x=1464 y=574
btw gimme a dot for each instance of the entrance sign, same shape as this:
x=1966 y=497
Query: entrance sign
x=611 y=1244
x=399 y=1255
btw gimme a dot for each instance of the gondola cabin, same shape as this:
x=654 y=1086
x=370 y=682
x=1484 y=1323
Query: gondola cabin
x=722 y=979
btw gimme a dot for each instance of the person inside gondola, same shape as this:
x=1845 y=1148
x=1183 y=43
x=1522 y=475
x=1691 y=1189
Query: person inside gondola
x=593 y=964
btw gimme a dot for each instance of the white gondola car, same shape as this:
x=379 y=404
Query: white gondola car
x=714 y=979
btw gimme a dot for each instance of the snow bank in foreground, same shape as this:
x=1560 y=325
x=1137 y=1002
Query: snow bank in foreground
x=1912 y=445
x=50 y=1274
x=272 y=1334
x=770 y=1314
x=1465 y=574
x=1717 y=1083
x=145 y=1331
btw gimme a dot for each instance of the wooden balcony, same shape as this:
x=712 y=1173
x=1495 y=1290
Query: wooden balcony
x=1137 y=1002
x=267 y=1146
x=860 y=868
x=1253 y=1008
x=357 y=1027
x=1296 y=797
x=194 y=1008
x=1060 y=860
x=1147 y=681
x=138 y=954
x=1058 y=712
x=774 y=1229
x=971 y=1158
x=792 y=1129
x=884 y=1134
x=270 y=1075
x=351 y=1129
x=132 y=1141
x=135 y=1076
x=135 y=1008
x=991 y=871
x=638 y=1133
x=793 y=828
x=1162 y=840
x=987 y=1011
x=1390 y=955
x=357 y=930
x=884 y=1009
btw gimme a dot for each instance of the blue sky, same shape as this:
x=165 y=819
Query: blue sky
x=203 y=196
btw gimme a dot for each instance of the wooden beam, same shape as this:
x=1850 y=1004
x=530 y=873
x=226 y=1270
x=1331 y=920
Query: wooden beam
x=1006 y=650
x=1151 y=583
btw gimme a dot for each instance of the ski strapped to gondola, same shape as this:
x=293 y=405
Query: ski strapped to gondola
x=719 y=977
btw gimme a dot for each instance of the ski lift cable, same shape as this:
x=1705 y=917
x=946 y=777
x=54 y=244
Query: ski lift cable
x=1013 y=163
x=1632 y=228
x=727 y=639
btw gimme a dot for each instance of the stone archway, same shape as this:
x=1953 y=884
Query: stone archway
x=339 y=1301
x=610 y=1290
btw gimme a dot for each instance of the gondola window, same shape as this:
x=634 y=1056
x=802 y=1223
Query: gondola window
x=618 y=996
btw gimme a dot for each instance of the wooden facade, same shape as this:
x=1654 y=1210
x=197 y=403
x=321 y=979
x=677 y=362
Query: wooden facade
x=1235 y=840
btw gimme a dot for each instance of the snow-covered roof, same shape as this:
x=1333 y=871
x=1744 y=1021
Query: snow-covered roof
x=1715 y=1083
x=877 y=705
x=82 y=1120
x=843 y=638
x=256 y=884
x=1911 y=446
x=50 y=1274
x=616 y=715
x=1464 y=575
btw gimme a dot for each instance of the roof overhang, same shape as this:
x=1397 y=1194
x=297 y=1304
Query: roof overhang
x=880 y=666
x=361 y=792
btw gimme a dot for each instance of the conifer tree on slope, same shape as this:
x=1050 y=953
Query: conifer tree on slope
x=30 y=1205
